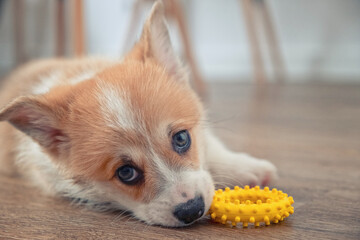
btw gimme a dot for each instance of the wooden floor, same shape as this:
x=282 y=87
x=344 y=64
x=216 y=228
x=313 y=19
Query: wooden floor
x=311 y=132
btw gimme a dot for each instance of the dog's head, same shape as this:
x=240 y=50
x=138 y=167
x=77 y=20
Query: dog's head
x=132 y=135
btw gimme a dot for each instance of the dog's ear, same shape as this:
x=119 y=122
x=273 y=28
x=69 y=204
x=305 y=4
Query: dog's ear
x=38 y=120
x=155 y=43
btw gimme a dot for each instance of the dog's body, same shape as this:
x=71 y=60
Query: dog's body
x=120 y=135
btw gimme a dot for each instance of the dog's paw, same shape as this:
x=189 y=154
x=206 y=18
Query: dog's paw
x=243 y=169
x=264 y=171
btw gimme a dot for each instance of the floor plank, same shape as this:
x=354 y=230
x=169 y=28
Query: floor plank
x=311 y=132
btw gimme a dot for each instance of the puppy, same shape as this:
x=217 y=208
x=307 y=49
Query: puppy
x=120 y=135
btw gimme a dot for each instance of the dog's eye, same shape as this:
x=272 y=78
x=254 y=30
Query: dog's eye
x=181 y=141
x=129 y=174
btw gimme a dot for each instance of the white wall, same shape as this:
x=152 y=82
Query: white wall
x=320 y=39
x=317 y=38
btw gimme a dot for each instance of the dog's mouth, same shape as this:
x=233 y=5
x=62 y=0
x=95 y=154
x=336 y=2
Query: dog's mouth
x=181 y=203
x=164 y=214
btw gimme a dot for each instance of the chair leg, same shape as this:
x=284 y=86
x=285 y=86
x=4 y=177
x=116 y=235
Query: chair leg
x=60 y=28
x=270 y=33
x=78 y=29
x=177 y=12
x=1 y=8
x=18 y=18
x=133 y=24
x=248 y=10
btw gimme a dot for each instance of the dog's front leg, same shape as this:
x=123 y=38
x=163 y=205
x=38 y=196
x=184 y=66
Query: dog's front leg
x=230 y=168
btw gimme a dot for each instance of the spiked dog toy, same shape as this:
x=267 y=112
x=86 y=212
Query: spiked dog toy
x=252 y=205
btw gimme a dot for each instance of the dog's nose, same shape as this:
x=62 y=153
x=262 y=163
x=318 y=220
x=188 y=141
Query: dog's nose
x=190 y=211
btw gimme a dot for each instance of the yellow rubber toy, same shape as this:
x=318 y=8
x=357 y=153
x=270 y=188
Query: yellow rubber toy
x=252 y=205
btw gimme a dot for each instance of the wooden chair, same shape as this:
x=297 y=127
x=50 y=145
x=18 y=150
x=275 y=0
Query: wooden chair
x=77 y=24
x=77 y=16
x=174 y=11
x=18 y=19
x=249 y=8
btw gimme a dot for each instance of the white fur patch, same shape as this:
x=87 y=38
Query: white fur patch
x=34 y=163
x=82 y=77
x=47 y=82
x=55 y=78
x=115 y=107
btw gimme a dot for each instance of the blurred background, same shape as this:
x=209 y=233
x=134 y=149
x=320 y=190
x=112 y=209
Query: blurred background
x=232 y=40
x=306 y=120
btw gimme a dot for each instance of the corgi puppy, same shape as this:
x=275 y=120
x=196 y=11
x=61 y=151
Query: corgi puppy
x=124 y=135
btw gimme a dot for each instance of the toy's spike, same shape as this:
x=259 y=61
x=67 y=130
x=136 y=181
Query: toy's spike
x=257 y=224
x=246 y=187
x=257 y=188
x=237 y=219
x=236 y=188
x=223 y=218
x=245 y=224
x=274 y=190
x=237 y=202
x=227 y=189
x=213 y=215
x=252 y=219
x=259 y=202
x=266 y=189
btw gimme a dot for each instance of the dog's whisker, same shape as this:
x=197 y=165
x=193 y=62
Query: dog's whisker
x=121 y=216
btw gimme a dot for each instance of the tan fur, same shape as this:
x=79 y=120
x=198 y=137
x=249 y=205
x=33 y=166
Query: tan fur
x=80 y=120
x=95 y=154
x=77 y=110
x=21 y=82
